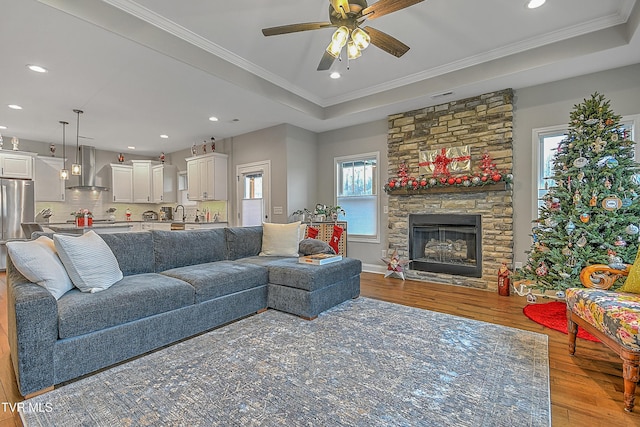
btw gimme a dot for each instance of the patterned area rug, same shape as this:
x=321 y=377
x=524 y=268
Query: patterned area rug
x=362 y=363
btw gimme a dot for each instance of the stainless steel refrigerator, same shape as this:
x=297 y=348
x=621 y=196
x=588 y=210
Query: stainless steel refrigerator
x=17 y=205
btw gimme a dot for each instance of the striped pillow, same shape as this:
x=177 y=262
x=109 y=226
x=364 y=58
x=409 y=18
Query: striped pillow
x=88 y=260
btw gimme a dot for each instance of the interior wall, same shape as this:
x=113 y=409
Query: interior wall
x=549 y=105
x=365 y=138
x=265 y=144
x=302 y=168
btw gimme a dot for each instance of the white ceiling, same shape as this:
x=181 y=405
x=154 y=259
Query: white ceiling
x=150 y=67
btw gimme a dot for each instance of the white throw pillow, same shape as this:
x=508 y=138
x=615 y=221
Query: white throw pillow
x=89 y=261
x=38 y=262
x=280 y=239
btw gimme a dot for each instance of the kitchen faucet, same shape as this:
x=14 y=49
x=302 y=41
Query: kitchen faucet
x=184 y=217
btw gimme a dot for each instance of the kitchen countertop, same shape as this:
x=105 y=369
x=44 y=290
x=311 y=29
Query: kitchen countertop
x=98 y=223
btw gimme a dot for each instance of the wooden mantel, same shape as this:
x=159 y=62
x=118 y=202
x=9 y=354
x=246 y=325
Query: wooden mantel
x=498 y=186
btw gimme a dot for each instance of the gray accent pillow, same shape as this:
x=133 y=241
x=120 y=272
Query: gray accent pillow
x=314 y=246
x=88 y=260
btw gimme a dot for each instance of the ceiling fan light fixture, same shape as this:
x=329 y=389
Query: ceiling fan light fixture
x=334 y=49
x=360 y=38
x=340 y=36
x=353 y=51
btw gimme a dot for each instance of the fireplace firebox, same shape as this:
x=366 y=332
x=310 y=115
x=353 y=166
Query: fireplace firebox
x=446 y=244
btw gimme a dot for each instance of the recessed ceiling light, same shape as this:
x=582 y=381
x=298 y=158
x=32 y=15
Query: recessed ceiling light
x=37 y=68
x=163 y=136
x=2 y=127
x=532 y=4
x=213 y=118
x=14 y=107
x=131 y=147
x=335 y=75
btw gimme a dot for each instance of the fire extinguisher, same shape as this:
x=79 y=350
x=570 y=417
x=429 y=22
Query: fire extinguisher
x=504 y=281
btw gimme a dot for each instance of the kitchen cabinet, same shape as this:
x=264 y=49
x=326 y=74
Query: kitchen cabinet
x=207 y=177
x=122 y=182
x=164 y=226
x=164 y=180
x=14 y=165
x=49 y=186
x=141 y=181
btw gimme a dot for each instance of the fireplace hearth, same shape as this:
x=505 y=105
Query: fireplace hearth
x=446 y=244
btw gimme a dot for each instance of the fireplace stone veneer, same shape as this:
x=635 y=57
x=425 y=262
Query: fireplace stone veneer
x=485 y=124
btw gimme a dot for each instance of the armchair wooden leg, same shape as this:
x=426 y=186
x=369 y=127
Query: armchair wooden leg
x=631 y=375
x=572 y=330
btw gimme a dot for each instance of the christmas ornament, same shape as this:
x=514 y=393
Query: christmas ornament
x=585 y=217
x=570 y=227
x=542 y=269
x=615 y=261
x=432 y=181
x=581 y=242
x=632 y=229
x=566 y=251
x=598 y=145
x=594 y=200
x=612 y=163
x=635 y=178
x=626 y=202
x=576 y=197
x=611 y=203
x=603 y=161
x=619 y=242
x=571 y=261
x=476 y=180
x=590 y=122
x=607 y=183
x=581 y=162
x=550 y=222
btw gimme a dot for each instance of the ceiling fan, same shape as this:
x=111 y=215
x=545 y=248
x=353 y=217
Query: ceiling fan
x=347 y=16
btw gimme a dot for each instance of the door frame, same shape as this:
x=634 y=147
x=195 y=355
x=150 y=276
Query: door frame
x=263 y=167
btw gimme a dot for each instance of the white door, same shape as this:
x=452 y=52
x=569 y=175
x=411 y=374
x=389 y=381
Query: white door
x=253 y=190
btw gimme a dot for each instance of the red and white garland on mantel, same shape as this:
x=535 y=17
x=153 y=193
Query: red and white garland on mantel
x=488 y=174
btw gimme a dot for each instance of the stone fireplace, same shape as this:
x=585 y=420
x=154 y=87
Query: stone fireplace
x=446 y=244
x=483 y=124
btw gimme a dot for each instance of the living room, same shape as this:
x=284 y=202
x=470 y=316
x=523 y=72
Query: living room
x=303 y=164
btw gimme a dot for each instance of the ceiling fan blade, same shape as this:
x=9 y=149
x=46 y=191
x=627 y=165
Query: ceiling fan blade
x=384 y=7
x=294 y=28
x=326 y=62
x=340 y=6
x=386 y=42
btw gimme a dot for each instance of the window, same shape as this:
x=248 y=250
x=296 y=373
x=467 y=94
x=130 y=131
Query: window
x=546 y=141
x=357 y=193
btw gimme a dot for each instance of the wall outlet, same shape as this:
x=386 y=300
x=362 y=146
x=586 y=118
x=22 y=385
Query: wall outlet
x=518 y=265
x=384 y=253
x=385 y=209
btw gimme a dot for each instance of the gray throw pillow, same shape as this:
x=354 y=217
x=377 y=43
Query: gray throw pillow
x=314 y=246
x=88 y=260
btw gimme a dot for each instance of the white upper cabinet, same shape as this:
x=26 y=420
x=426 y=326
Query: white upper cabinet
x=14 y=165
x=49 y=186
x=164 y=180
x=141 y=181
x=122 y=182
x=207 y=177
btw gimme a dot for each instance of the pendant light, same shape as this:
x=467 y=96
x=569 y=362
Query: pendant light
x=76 y=169
x=64 y=173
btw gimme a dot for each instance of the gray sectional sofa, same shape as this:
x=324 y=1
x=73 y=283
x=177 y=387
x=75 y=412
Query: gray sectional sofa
x=176 y=284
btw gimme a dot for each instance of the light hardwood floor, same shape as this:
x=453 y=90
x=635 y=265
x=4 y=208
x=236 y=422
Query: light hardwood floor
x=586 y=390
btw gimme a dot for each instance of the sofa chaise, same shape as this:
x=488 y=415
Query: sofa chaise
x=175 y=284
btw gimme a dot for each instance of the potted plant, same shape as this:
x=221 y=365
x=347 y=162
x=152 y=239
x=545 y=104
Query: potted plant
x=302 y=215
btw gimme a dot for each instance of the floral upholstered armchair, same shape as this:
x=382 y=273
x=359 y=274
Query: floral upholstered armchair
x=611 y=316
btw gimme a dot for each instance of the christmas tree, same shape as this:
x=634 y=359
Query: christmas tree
x=591 y=212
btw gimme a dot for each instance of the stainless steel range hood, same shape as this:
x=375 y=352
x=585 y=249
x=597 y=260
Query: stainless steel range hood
x=87 y=180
